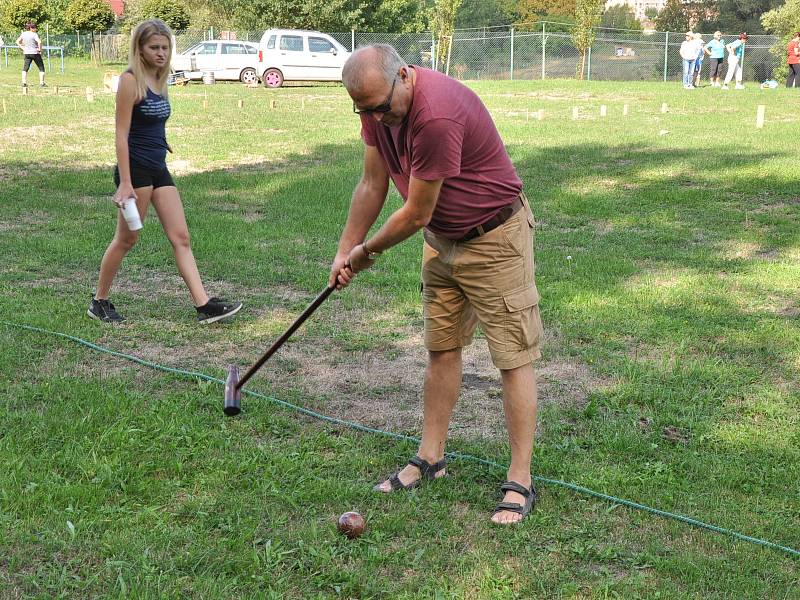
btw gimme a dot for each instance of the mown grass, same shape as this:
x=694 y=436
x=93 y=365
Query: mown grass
x=667 y=259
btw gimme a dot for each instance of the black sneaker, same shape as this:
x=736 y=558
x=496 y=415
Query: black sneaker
x=105 y=311
x=217 y=309
x=42 y=85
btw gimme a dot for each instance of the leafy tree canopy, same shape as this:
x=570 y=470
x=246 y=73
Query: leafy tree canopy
x=620 y=16
x=16 y=13
x=89 y=16
x=173 y=12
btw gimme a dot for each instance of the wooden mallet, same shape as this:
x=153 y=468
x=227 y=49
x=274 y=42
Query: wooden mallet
x=233 y=385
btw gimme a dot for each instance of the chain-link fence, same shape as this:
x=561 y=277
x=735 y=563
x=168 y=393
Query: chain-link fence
x=493 y=52
x=615 y=55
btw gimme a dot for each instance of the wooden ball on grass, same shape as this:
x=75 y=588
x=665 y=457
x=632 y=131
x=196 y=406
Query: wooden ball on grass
x=351 y=524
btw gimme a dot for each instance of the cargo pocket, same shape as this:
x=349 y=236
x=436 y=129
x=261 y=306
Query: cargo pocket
x=523 y=324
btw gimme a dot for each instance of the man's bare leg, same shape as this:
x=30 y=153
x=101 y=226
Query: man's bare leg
x=441 y=390
x=519 y=403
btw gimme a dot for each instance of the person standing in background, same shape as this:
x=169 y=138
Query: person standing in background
x=31 y=46
x=698 y=62
x=716 y=52
x=735 y=58
x=793 y=60
x=688 y=52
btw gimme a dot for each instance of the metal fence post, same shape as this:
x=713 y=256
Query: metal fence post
x=666 y=50
x=352 y=40
x=544 y=42
x=47 y=43
x=449 y=52
x=512 y=54
x=589 y=69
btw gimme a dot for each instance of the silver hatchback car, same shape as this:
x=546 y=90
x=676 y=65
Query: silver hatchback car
x=227 y=59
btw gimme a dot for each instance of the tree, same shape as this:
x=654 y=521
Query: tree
x=734 y=16
x=484 y=13
x=673 y=17
x=533 y=10
x=651 y=12
x=443 y=19
x=89 y=16
x=325 y=15
x=395 y=16
x=18 y=12
x=588 y=14
x=55 y=19
x=620 y=16
x=783 y=22
x=173 y=12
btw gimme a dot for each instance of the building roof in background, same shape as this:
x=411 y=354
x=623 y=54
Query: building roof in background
x=117 y=6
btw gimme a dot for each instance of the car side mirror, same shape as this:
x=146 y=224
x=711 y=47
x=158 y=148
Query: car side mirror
x=333 y=51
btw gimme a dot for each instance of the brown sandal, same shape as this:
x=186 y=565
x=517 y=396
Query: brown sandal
x=427 y=472
x=520 y=509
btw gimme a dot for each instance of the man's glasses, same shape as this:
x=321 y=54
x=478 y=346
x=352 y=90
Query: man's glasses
x=382 y=108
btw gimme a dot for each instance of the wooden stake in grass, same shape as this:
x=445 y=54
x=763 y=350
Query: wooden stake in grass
x=625 y=110
x=89 y=94
x=241 y=103
x=25 y=91
x=574 y=112
x=540 y=114
x=663 y=107
x=205 y=104
x=55 y=90
x=272 y=103
x=760 y=113
x=603 y=110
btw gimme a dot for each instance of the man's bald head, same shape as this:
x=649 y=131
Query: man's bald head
x=370 y=65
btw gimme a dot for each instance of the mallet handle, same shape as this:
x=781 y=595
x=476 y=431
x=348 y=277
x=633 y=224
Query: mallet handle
x=280 y=341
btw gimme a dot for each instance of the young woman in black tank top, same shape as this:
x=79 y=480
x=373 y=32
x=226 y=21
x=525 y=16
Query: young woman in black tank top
x=142 y=174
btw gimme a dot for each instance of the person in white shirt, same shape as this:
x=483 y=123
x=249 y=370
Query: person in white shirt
x=31 y=46
x=735 y=57
x=688 y=53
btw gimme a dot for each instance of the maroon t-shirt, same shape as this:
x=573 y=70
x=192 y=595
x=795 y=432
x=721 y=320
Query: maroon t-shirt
x=448 y=134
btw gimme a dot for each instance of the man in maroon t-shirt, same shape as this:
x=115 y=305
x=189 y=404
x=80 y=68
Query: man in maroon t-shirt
x=436 y=141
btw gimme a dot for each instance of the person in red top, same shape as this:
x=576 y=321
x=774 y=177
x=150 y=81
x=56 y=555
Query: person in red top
x=793 y=59
x=434 y=138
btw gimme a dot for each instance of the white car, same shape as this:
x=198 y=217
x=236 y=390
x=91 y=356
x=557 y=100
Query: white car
x=227 y=59
x=298 y=55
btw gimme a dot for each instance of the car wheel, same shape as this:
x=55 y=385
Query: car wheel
x=272 y=78
x=248 y=76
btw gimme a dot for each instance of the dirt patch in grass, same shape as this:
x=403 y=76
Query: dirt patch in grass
x=25 y=221
x=382 y=387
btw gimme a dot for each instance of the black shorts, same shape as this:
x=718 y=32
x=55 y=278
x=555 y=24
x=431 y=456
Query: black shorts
x=142 y=176
x=716 y=67
x=35 y=58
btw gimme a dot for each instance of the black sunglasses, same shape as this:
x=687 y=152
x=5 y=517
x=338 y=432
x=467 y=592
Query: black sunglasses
x=382 y=108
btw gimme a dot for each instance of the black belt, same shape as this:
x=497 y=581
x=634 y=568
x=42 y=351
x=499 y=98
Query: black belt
x=501 y=217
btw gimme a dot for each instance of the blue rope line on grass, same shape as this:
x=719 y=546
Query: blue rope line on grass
x=399 y=436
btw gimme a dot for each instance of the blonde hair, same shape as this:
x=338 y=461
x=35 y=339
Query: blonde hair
x=136 y=65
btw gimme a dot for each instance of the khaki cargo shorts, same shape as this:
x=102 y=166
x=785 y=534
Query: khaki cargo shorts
x=488 y=280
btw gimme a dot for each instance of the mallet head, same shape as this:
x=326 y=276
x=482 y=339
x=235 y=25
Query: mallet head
x=233 y=395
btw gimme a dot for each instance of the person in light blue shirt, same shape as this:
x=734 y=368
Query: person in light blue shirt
x=716 y=53
x=735 y=58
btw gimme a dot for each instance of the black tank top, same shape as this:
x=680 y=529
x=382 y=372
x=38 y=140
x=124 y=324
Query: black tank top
x=147 y=141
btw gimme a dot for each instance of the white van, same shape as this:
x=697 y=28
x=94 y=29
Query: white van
x=298 y=55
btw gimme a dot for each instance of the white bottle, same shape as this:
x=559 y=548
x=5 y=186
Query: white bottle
x=131 y=214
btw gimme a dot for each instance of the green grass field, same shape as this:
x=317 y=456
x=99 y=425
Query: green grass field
x=668 y=262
